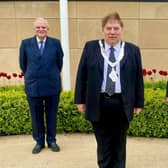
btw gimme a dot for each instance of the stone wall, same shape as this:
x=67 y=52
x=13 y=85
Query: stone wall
x=145 y=24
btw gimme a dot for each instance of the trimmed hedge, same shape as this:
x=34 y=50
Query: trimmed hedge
x=14 y=113
x=15 y=116
x=153 y=120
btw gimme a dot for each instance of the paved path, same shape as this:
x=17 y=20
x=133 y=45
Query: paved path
x=79 y=151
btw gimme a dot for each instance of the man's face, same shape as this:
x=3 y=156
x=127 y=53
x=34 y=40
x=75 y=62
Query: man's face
x=41 y=29
x=112 y=32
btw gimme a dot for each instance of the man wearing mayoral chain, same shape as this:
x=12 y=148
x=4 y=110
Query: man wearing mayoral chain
x=109 y=89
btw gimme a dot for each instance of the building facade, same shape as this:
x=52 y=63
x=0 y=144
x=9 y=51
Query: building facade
x=145 y=24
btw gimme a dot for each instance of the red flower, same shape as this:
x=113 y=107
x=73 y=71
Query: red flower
x=14 y=75
x=149 y=72
x=3 y=74
x=154 y=70
x=8 y=77
x=160 y=72
x=144 y=72
x=165 y=73
x=20 y=75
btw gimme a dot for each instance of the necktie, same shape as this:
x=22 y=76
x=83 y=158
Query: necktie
x=41 y=48
x=110 y=85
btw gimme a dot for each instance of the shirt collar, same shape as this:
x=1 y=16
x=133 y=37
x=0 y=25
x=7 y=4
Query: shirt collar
x=116 y=47
x=38 y=40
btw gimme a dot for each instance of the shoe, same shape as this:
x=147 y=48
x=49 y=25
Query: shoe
x=54 y=147
x=37 y=148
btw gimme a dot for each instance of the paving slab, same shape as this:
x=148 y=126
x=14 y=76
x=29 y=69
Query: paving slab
x=79 y=151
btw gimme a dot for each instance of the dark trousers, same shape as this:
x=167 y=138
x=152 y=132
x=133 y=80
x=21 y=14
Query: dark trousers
x=39 y=106
x=110 y=133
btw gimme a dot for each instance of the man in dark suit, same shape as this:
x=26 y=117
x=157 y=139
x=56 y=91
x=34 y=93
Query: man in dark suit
x=109 y=89
x=41 y=59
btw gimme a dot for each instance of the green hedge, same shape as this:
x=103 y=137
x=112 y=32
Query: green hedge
x=14 y=113
x=15 y=116
x=156 y=85
x=153 y=120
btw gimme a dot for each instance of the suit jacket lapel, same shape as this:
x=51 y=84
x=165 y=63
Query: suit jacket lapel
x=100 y=58
x=125 y=56
x=47 y=46
x=34 y=46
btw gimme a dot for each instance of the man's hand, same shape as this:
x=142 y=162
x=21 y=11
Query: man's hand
x=81 y=107
x=137 y=110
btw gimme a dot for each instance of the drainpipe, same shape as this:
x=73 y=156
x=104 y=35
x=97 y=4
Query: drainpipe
x=65 y=44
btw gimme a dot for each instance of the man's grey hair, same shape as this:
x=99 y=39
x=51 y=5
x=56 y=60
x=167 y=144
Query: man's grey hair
x=40 y=19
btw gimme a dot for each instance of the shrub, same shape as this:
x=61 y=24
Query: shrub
x=153 y=120
x=15 y=116
x=156 y=85
x=69 y=119
x=14 y=113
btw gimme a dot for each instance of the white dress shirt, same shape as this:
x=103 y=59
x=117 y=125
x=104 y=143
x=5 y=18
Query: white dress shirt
x=117 y=48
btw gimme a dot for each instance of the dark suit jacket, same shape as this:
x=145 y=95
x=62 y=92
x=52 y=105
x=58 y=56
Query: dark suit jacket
x=90 y=77
x=41 y=73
